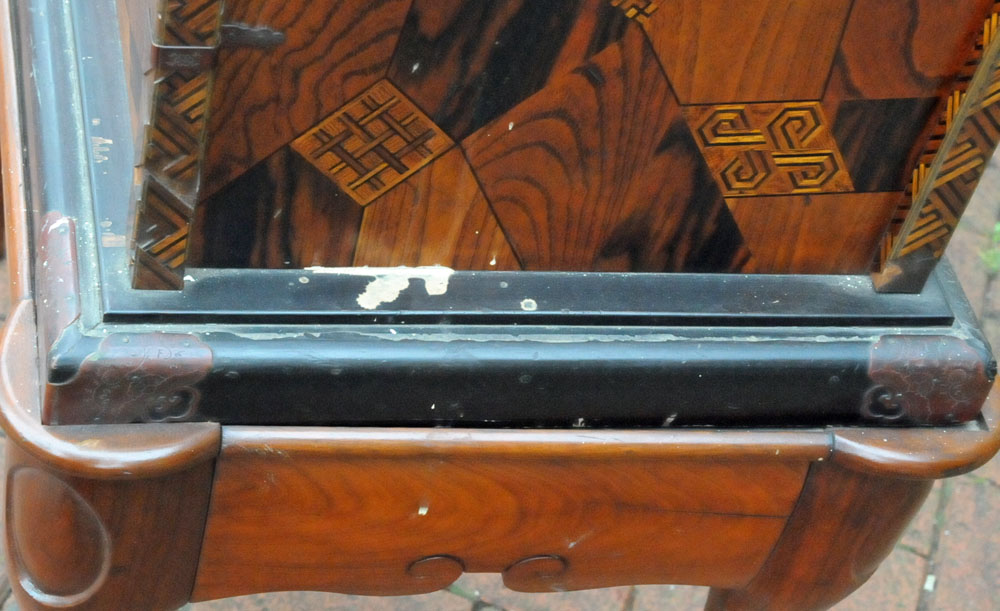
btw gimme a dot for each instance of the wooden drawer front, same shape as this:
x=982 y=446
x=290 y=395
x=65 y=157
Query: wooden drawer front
x=300 y=514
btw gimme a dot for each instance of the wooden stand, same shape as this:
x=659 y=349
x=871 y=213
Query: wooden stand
x=104 y=516
x=150 y=516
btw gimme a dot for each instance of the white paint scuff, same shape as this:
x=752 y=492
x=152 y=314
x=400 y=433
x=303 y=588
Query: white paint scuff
x=388 y=283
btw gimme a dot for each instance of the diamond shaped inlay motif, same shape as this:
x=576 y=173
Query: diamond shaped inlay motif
x=769 y=149
x=373 y=143
x=640 y=10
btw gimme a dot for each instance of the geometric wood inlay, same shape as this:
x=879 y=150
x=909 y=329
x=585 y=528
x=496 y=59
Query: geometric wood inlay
x=600 y=172
x=942 y=191
x=373 y=143
x=599 y=135
x=769 y=149
x=333 y=51
x=189 y=35
x=640 y=10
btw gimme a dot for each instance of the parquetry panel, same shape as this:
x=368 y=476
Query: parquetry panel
x=467 y=62
x=175 y=149
x=598 y=171
x=640 y=10
x=769 y=149
x=604 y=133
x=905 y=48
x=942 y=190
x=832 y=234
x=373 y=143
x=332 y=51
x=436 y=217
x=721 y=51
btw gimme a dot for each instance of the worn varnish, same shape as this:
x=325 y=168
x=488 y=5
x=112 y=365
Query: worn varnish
x=585 y=135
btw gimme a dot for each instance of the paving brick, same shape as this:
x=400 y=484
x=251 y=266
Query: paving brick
x=964 y=254
x=991 y=313
x=983 y=211
x=972 y=237
x=990 y=471
x=920 y=532
x=895 y=585
x=674 y=598
x=967 y=563
x=301 y=601
x=490 y=588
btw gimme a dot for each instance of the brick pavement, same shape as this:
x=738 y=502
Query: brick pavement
x=948 y=560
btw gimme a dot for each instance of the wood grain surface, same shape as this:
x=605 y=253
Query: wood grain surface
x=439 y=218
x=881 y=140
x=102 y=544
x=282 y=213
x=332 y=52
x=834 y=233
x=316 y=509
x=715 y=52
x=466 y=63
x=906 y=48
x=611 y=182
x=842 y=529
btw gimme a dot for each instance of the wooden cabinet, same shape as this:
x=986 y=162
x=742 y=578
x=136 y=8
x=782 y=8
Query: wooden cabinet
x=359 y=296
x=586 y=135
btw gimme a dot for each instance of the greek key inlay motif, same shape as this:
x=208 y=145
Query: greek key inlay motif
x=769 y=149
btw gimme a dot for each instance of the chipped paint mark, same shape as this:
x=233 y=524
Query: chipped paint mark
x=424 y=509
x=529 y=305
x=579 y=539
x=390 y=282
x=101 y=147
x=113 y=240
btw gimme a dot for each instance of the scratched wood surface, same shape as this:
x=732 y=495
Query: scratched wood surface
x=609 y=135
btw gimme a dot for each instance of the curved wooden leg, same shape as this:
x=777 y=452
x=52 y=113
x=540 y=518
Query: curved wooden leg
x=843 y=527
x=79 y=543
